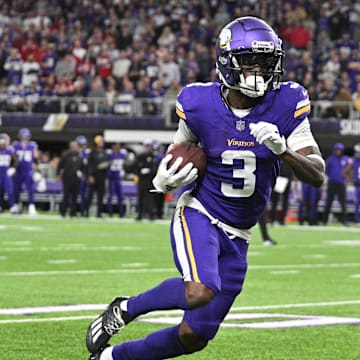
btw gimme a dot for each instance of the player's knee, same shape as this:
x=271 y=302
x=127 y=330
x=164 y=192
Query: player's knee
x=198 y=294
x=191 y=341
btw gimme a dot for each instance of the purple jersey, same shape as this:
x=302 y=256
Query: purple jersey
x=117 y=163
x=5 y=159
x=85 y=155
x=240 y=172
x=356 y=170
x=25 y=154
x=335 y=166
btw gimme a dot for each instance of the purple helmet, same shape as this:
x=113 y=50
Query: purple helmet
x=246 y=43
x=24 y=133
x=339 y=146
x=81 y=140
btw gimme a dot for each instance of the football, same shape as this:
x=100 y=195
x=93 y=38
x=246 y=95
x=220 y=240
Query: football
x=190 y=152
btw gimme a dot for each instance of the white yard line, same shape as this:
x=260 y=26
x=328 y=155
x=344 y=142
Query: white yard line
x=170 y=270
x=15 y=247
x=17 y=243
x=304 y=266
x=64 y=318
x=61 y=261
x=314 y=256
x=134 y=265
x=301 y=305
x=297 y=321
x=284 y=272
x=170 y=317
x=52 y=309
x=70 y=247
x=343 y=242
x=100 y=307
x=255 y=253
x=85 y=272
x=294 y=322
x=56 y=217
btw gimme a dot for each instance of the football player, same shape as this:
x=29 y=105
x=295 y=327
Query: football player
x=336 y=165
x=84 y=185
x=117 y=156
x=26 y=153
x=7 y=170
x=308 y=204
x=98 y=164
x=352 y=171
x=356 y=178
x=247 y=124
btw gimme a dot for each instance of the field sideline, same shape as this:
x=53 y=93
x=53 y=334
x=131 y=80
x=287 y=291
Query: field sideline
x=301 y=299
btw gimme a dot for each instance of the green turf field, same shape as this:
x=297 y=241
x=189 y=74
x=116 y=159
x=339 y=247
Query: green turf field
x=312 y=277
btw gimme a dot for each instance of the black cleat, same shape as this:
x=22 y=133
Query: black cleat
x=97 y=355
x=108 y=324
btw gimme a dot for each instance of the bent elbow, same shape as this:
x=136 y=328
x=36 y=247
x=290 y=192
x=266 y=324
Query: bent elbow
x=319 y=180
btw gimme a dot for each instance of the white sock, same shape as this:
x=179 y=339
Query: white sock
x=123 y=305
x=107 y=354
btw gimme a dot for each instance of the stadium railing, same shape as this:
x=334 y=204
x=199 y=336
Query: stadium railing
x=155 y=106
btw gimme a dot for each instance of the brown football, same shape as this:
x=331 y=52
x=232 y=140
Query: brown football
x=190 y=152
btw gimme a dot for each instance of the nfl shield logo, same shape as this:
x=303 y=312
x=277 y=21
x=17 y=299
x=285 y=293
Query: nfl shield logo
x=240 y=125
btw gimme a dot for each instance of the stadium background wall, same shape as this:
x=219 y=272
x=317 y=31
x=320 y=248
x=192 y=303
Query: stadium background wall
x=54 y=138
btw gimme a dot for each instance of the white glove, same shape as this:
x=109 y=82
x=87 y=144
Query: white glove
x=10 y=171
x=268 y=134
x=170 y=179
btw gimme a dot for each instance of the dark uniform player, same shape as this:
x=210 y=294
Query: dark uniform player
x=26 y=152
x=115 y=172
x=266 y=238
x=246 y=125
x=84 y=185
x=336 y=164
x=159 y=198
x=286 y=173
x=146 y=165
x=98 y=163
x=70 y=168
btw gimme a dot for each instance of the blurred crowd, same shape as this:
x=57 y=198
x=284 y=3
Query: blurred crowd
x=118 y=50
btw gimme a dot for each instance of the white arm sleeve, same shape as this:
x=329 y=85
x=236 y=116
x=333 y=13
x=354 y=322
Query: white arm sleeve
x=183 y=133
x=301 y=137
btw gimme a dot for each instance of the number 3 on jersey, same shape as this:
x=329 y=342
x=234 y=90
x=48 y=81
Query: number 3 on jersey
x=246 y=172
